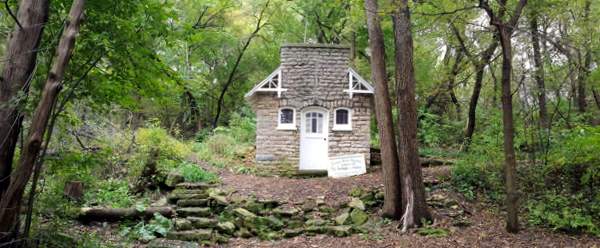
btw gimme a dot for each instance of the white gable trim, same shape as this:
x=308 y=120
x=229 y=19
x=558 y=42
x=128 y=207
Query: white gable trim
x=361 y=86
x=269 y=85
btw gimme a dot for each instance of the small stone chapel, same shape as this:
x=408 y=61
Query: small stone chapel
x=312 y=107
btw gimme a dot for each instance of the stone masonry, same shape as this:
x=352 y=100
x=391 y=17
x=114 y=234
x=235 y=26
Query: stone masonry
x=314 y=75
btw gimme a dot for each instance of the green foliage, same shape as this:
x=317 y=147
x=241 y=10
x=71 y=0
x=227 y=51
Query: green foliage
x=193 y=173
x=570 y=213
x=577 y=156
x=159 y=226
x=229 y=146
x=156 y=138
x=434 y=131
x=110 y=193
x=431 y=231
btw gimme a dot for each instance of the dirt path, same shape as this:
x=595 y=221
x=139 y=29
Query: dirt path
x=486 y=227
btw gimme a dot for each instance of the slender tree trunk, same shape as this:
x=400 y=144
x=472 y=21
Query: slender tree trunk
x=413 y=190
x=20 y=57
x=259 y=26
x=584 y=68
x=505 y=30
x=383 y=110
x=510 y=164
x=10 y=201
x=596 y=98
x=479 y=72
x=539 y=72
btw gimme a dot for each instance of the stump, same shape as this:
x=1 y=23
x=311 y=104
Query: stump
x=74 y=190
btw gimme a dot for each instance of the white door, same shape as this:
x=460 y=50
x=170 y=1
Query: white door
x=313 y=140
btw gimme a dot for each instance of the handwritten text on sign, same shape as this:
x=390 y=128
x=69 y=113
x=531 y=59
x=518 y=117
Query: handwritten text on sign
x=346 y=166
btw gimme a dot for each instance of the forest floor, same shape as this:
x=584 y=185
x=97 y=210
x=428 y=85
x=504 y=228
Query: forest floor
x=485 y=228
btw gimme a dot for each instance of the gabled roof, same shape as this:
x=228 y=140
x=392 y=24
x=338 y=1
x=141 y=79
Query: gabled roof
x=273 y=83
x=357 y=84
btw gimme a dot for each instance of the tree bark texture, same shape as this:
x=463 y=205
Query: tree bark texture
x=486 y=56
x=539 y=72
x=413 y=190
x=20 y=59
x=383 y=111
x=505 y=30
x=10 y=201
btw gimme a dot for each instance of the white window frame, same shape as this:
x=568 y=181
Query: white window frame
x=342 y=127
x=286 y=126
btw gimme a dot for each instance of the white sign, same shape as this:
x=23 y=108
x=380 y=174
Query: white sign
x=346 y=166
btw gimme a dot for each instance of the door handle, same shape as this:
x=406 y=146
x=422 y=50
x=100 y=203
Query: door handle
x=325 y=139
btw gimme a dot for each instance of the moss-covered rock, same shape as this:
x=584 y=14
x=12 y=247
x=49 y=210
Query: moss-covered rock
x=356 y=203
x=191 y=235
x=182 y=224
x=226 y=227
x=358 y=216
x=174 y=178
x=244 y=213
x=193 y=212
x=339 y=231
x=166 y=243
x=201 y=222
x=343 y=219
x=293 y=232
x=192 y=203
x=243 y=233
x=286 y=211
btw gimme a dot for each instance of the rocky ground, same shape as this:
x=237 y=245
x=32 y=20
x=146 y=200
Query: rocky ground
x=469 y=224
x=325 y=212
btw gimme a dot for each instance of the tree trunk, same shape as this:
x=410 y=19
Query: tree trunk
x=20 y=57
x=479 y=72
x=413 y=190
x=259 y=26
x=505 y=30
x=539 y=72
x=383 y=111
x=584 y=68
x=10 y=202
x=510 y=164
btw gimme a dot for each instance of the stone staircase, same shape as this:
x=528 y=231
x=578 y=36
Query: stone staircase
x=205 y=216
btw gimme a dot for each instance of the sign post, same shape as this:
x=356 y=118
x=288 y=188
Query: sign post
x=346 y=166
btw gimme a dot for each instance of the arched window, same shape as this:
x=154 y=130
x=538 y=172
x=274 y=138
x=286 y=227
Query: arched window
x=286 y=119
x=342 y=119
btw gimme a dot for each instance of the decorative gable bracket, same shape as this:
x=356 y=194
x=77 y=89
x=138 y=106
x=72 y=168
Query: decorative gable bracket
x=357 y=84
x=271 y=84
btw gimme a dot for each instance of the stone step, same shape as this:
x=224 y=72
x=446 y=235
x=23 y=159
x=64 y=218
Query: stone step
x=174 y=198
x=194 y=186
x=168 y=243
x=192 y=203
x=202 y=222
x=194 y=212
x=191 y=235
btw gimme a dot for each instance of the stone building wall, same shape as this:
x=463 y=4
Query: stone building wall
x=314 y=75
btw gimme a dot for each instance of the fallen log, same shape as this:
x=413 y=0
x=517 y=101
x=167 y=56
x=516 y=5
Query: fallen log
x=428 y=161
x=87 y=215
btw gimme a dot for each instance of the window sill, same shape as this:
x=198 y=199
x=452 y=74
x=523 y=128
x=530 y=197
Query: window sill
x=342 y=129
x=286 y=127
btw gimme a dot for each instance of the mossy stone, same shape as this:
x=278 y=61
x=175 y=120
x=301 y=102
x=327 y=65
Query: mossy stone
x=358 y=216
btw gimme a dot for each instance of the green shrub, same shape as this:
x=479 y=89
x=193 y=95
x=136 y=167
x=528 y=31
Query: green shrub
x=158 y=226
x=570 y=213
x=111 y=193
x=156 y=138
x=193 y=173
x=229 y=146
